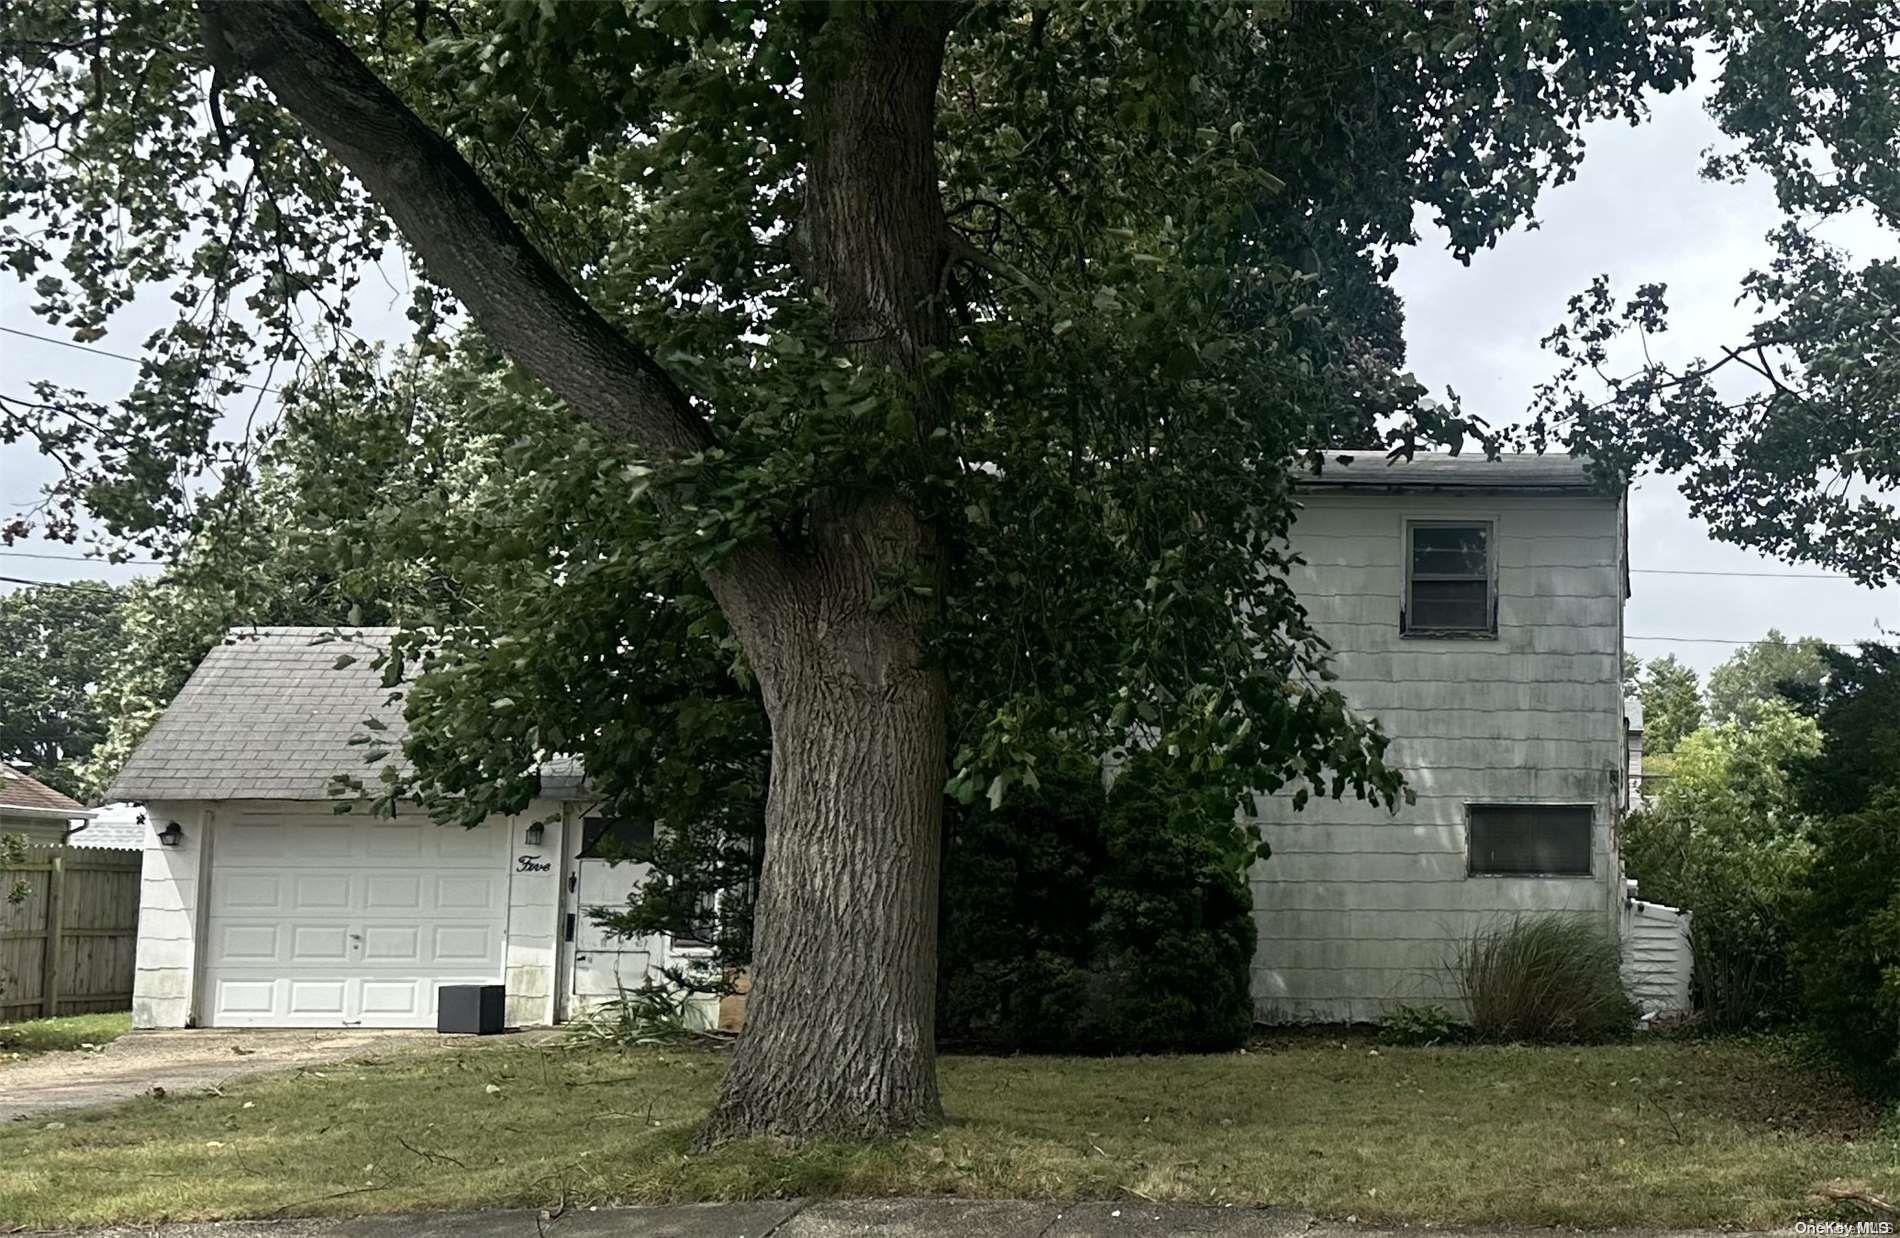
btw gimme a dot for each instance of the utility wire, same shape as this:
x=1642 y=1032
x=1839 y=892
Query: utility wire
x=101 y=352
x=29 y=554
x=55 y=584
x=1686 y=640
x=1729 y=640
x=1647 y=571
x=1684 y=571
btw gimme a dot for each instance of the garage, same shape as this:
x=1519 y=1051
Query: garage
x=350 y=921
x=275 y=893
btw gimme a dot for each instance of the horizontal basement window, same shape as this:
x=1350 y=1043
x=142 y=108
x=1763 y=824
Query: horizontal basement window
x=1529 y=840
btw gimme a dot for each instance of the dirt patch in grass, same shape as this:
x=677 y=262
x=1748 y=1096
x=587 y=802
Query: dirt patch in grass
x=1650 y=1134
x=1781 y=1092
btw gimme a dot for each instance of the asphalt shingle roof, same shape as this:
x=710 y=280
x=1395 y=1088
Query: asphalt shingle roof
x=268 y=714
x=1551 y=471
x=119 y=827
x=19 y=791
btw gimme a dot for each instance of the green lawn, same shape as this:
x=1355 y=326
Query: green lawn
x=67 y=1032
x=1655 y=1134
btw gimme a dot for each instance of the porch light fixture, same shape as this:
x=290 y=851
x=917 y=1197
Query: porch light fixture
x=536 y=834
x=171 y=835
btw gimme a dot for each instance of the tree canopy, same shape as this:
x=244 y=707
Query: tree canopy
x=1672 y=703
x=1784 y=442
x=1773 y=668
x=1726 y=836
x=57 y=643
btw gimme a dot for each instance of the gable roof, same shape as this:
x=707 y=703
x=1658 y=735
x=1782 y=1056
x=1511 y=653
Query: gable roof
x=1552 y=472
x=29 y=797
x=267 y=715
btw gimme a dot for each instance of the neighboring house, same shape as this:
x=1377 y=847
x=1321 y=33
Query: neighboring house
x=265 y=907
x=114 y=827
x=1476 y=609
x=30 y=807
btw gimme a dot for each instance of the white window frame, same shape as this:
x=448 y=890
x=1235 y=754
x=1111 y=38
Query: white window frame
x=1411 y=631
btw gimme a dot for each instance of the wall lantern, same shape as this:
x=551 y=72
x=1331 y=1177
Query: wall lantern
x=536 y=834
x=172 y=835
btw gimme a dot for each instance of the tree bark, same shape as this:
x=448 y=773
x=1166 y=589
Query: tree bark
x=841 y=1013
x=840 y=1035
x=840 y=1019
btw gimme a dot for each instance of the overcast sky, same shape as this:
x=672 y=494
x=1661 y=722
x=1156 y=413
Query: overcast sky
x=1637 y=211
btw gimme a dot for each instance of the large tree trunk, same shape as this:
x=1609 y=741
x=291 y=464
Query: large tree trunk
x=840 y=1021
x=840 y=1018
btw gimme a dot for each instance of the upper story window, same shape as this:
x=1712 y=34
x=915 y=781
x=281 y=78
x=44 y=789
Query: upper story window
x=1449 y=579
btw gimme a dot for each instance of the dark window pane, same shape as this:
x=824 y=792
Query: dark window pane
x=1454 y=605
x=1440 y=551
x=1530 y=839
x=604 y=838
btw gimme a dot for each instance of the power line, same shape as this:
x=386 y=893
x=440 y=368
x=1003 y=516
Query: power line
x=29 y=554
x=1726 y=640
x=1647 y=571
x=101 y=352
x=1684 y=571
x=55 y=584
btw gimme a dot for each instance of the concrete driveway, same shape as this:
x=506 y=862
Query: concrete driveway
x=181 y=1061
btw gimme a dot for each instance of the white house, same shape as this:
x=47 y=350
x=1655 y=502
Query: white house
x=262 y=906
x=1476 y=609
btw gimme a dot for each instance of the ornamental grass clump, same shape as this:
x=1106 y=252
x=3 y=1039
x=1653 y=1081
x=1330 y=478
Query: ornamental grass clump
x=1543 y=978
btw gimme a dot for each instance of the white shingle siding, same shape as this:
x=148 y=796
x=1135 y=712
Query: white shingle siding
x=171 y=881
x=1658 y=956
x=1359 y=909
x=534 y=916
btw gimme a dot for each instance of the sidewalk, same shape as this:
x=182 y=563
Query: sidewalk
x=793 y=1218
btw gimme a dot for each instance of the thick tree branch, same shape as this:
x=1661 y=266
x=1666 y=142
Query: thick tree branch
x=464 y=237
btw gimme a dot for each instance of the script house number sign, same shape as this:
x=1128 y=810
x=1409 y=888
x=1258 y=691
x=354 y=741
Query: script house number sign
x=528 y=864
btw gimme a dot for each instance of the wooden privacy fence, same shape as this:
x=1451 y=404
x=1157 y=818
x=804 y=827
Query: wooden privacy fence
x=69 y=947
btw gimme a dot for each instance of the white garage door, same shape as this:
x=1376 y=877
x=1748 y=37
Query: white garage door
x=346 y=921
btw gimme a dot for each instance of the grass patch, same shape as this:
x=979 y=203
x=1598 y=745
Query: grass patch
x=1654 y=1134
x=73 y=1031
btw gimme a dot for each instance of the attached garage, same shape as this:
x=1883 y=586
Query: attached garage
x=262 y=905
x=350 y=921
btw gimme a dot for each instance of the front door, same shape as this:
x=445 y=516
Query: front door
x=605 y=873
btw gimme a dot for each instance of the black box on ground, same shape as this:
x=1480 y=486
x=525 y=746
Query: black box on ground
x=470 y=1009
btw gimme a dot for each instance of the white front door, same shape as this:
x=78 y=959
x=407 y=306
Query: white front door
x=603 y=878
x=348 y=921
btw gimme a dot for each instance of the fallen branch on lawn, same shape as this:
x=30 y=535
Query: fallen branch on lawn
x=1848 y=1193
x=426 y=1155
x=318 y=1199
